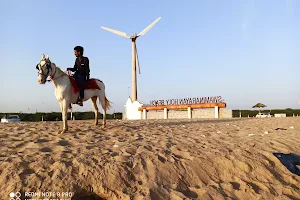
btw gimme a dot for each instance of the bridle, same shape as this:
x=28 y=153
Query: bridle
x=48 y=66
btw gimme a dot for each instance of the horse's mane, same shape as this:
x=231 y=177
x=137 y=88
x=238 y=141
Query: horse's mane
x=58 y=70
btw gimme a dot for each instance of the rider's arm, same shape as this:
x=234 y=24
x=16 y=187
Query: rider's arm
x=74 y=69
x=87 y=69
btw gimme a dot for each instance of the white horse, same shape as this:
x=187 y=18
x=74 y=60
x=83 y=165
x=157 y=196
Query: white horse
x=64 y=93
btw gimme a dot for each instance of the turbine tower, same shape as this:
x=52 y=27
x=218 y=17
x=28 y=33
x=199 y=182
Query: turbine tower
x=135 y=58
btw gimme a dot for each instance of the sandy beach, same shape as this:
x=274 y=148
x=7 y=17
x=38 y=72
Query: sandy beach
x=154 y=159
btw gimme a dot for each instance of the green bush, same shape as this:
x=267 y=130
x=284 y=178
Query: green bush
x=53 y=116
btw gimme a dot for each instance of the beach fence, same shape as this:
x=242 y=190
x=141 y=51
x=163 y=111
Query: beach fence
x=136 y=110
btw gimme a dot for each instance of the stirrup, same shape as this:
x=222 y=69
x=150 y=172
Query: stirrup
x=79 y=103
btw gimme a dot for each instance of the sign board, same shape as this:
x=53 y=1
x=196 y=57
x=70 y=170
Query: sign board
x=187 y=101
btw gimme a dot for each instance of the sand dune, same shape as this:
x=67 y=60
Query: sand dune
x=155 y=159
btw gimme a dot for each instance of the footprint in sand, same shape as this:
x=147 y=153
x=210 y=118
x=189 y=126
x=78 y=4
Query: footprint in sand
x=255 y=187
x=148 y=147
x=42 y=140
x=114 y=154
x=132 y=134
x=46 y=149
x=140 y=139
x=121 y=139
x=63 y=143
x=22 y=144
x=90 y=147
x=167 y=152
x=235 y=185
x=68 y=163
x=182 y=155
x=68 y=151
x=161 y=157
x=131 y=151
x=195 y=192
x=26 y=172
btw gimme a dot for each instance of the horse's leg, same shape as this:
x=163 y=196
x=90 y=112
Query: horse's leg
x=94 y=100
x=62 y=110
x=64 y=106
x=104 y=117
x=102 y=101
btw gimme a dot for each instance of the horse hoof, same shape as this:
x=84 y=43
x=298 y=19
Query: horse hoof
x=103 y=126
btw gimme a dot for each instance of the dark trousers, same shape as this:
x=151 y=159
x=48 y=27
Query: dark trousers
x=80 y=79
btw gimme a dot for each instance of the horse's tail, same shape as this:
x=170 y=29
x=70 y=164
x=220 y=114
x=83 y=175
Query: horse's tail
x=107 y=103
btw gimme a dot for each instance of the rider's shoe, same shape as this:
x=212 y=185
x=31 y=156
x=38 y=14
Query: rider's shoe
x=79 y=102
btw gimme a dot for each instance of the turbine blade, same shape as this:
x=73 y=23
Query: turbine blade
x=149 y=27
x=137 y=59
x=116 y=32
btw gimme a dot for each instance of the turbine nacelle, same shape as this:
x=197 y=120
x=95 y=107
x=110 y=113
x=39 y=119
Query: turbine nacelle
x=134 y=36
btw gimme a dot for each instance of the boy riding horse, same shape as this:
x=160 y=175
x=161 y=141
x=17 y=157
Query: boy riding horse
x=82 y=71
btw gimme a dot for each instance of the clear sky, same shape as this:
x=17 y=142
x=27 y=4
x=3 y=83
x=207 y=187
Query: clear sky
x=246 y=51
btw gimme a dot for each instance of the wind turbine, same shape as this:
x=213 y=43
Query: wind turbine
x=135 y=58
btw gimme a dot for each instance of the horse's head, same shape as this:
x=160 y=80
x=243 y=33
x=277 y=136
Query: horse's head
x=44 y=68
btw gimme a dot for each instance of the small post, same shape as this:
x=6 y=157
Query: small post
x=144 y=114
x=165 y=113
x=189 y=113
x=42 y=118
x=216 y=111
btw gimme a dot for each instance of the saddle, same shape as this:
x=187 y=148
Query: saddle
x=90 y=84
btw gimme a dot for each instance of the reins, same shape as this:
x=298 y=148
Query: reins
x=46 y=75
